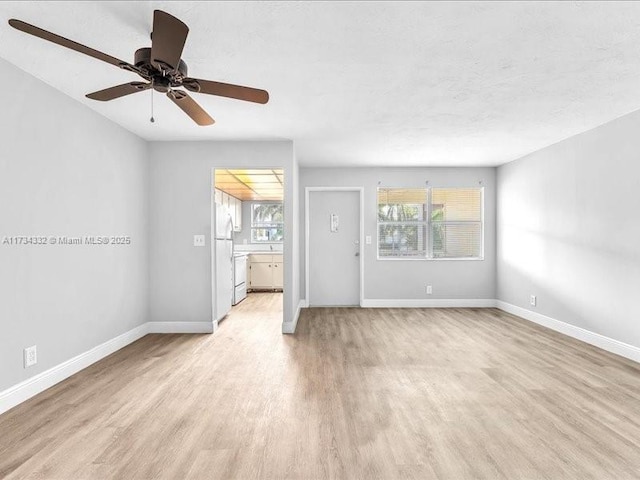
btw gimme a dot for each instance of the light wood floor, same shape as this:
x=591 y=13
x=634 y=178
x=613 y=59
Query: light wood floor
x=356 y=393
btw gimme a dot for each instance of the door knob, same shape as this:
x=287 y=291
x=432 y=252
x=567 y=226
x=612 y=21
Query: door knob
x=357 y=254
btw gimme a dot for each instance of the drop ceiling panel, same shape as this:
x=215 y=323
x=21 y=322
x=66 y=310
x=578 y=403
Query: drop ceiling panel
x=252 y=172
x=251 y=184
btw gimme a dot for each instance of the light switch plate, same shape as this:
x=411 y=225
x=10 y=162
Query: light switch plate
x=367 y=239
x=198 y=241
x=335 y=221
x=30 y=356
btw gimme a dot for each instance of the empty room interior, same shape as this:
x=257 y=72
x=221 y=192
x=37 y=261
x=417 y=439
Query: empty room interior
x=320 y=240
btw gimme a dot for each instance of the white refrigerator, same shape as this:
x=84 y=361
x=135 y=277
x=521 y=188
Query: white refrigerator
x=223 y=287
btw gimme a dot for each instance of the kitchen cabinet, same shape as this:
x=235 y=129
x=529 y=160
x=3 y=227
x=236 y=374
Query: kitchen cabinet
x=234 y=207
x=237 y=223
x=261 y=275
x=278 y=273
x=266 y=272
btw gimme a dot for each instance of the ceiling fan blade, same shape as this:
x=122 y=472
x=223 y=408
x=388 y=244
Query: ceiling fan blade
x=65 y=42
x=226 y=90
x=190 y=107
x=167 y=40
x=118 y=91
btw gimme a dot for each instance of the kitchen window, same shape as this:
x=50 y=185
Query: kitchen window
x=267 y=222
x=430 y=223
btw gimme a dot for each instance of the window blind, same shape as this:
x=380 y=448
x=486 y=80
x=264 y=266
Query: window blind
x=402 y=225
x=430 y=222
x=456 y=222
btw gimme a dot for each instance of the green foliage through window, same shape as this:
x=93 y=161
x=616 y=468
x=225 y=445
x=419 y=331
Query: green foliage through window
x=430 y=222
x=267 y=223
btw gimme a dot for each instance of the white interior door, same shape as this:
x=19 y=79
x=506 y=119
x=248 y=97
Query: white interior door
x=334 y=248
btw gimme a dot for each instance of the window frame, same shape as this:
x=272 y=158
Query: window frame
x=422 y=226
x=265 y=225
x=428 y=255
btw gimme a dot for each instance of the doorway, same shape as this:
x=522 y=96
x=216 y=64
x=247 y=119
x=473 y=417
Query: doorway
x=333 y=240
x=247 y=242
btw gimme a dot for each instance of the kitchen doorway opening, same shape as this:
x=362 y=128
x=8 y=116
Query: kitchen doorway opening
x=247 y=245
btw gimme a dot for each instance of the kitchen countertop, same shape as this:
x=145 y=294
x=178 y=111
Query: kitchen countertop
x=239 y=247
x=244 y=254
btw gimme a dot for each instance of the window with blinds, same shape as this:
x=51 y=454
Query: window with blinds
x=402 y=224
x=456 y=222
x=435 y=223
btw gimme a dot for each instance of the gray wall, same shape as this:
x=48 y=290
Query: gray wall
x=181 y=176
x=405 y=279
x=296 y=229
x=65 y=170
x=568 y=230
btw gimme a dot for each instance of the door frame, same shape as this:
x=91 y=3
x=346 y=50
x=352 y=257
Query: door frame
x=307 y=191
x=212 y=231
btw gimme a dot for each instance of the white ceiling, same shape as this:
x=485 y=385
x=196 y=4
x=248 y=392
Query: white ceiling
x=354 y=83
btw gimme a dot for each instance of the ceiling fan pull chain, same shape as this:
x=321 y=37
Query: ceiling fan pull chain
x=152 y=119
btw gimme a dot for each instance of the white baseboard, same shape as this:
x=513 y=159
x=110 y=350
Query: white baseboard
x=429 y=303
x=290 y=327
x=181 y=327
x=23 y=391
x=587 y=336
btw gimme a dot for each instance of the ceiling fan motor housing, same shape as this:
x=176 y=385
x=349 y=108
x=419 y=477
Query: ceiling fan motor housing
x=161 y=80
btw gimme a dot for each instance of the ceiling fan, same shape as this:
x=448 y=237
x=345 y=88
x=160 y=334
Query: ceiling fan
x=160 y=66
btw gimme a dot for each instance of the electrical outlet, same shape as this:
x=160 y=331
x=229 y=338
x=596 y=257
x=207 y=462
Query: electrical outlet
x=367 y=239
x=533 y=300
x=30 y=356
x=429 y=289
x=198 y=240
